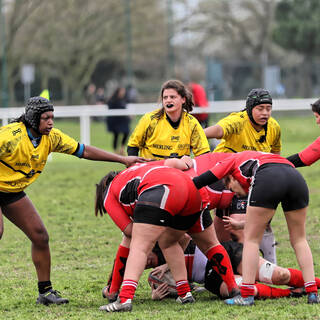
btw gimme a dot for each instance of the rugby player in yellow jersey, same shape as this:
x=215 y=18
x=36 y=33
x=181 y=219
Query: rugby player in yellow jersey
x=251 y=129
x=169 y=132
x=24 y=148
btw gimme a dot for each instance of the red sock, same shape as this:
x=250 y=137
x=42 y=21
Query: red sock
x=182 y=287
x=311 y=287
x=265 y=291
x=188 y=258
x=246 y=290
x=296 y=279
x=118 y=269
x=220 y=262
x=128 y=289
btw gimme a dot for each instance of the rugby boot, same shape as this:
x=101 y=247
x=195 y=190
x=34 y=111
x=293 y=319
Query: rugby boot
x=240 y=301
x=117 y=306
x=51 y=297
x=188 y=298
x=313 y=298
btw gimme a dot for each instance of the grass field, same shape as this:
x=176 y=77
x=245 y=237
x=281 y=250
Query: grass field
x=83 y=246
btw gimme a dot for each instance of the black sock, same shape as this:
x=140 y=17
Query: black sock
x=44 y=286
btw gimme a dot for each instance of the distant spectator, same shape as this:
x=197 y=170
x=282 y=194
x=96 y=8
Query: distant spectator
x=131 y=94
x=200 y=100
x=118 y=125
x=91 y=94
x=100 y=96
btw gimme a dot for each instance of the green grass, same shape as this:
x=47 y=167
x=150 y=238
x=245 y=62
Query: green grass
x=83 y=246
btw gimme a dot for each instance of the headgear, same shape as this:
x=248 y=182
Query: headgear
x=35 y=107
x=256 y=97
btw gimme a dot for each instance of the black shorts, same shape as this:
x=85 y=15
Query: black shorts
x=148 y=211
x=276 y=182
x=238 y=205
x=213 y=280
x=10 y=197
x=159 y=217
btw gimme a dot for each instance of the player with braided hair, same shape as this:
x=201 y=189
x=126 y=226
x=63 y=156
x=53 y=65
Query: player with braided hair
x=24 y=148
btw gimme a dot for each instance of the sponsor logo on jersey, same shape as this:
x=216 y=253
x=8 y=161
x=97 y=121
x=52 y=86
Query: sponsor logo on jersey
x=184 y=146
x=35 y=157
x=252 y=148
x=162 y=147
x=175 y=138
x=14 y=132
x=22 y=164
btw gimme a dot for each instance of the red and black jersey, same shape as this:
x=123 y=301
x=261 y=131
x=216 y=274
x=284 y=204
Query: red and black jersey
x=181 y=198
x=219 y=196
x=242 y=166
x=311 y=154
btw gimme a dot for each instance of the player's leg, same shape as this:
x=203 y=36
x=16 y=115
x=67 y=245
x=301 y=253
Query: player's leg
x=296 y=226
x=111 y=290
x=144 y=237
x=208 y=243
x=24 y=215
x=256 y=222
x=173 y=254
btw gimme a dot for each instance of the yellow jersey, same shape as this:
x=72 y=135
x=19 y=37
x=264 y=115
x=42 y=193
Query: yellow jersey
x=239 y=135
x=157 y=139
x=21 y=162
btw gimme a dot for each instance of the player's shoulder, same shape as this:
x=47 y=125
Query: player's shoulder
x=13 y=129
x=152 y=115
x=55 y=132
x=240 y=116
x=190 y=118
x=272 y=122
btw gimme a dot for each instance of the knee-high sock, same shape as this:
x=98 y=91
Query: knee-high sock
x=221 y=263
x=119 y=266
x=128 y=289
x=269 y=292
x=296 y=279
x=182 y=287
x=247 y=289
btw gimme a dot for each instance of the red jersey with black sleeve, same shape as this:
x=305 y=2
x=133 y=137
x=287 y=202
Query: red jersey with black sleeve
x=311 y=154
x=182 y=197
x=242 y=166
x=219 y=196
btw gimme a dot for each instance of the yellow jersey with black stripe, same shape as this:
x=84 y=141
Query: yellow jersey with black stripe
x=20 y=162
x=239 y=135
x=157 y=139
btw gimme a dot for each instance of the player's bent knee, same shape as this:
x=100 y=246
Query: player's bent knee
x=280 y=276
x=40 y=238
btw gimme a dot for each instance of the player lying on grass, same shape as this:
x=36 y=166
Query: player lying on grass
x=199 y=271
x=259 y=171
x=152 y=203
x=25 y=145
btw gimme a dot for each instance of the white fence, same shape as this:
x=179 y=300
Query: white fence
x=85 y=112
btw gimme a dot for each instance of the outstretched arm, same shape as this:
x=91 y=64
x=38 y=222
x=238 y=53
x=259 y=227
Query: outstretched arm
x=93 y=153
x=184 y=163
x=308 y=156
x=215 y=131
